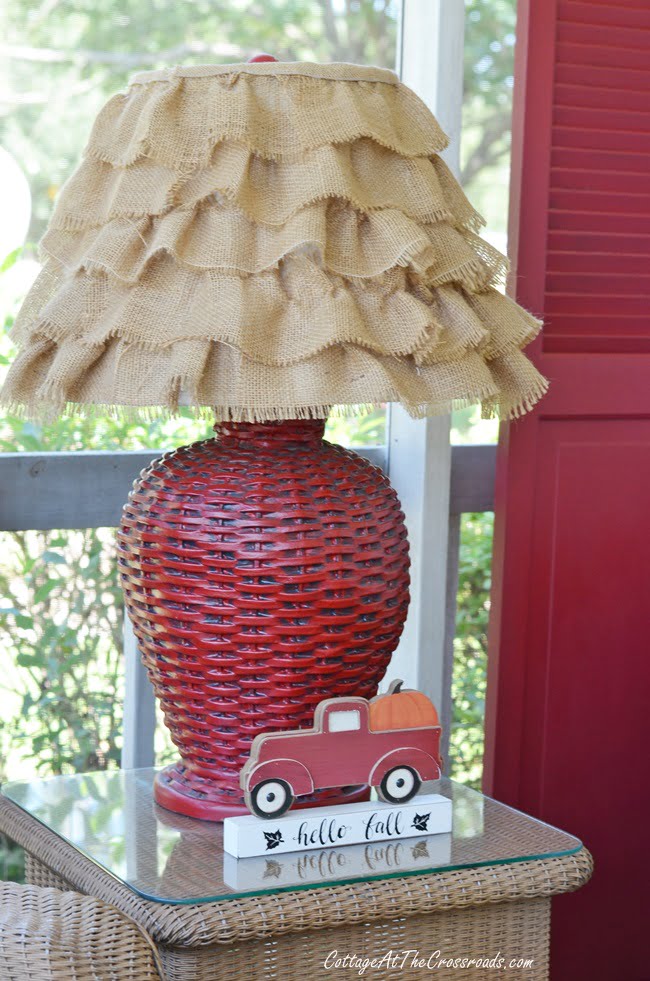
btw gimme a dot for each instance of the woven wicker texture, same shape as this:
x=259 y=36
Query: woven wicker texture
x=514 y=921
x=519 y=927
x=266 y=241
x=48 y=935
x=263 y=571
x=264 y=917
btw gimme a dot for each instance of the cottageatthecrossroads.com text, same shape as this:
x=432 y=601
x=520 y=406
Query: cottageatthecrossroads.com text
x=409 y=960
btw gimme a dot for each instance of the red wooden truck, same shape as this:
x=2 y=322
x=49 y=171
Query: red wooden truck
x=391 y=742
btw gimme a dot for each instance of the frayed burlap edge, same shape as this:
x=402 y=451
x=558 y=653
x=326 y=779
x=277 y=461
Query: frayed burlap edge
x=491 y=408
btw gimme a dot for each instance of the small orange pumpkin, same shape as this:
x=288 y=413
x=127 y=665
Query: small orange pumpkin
x=399 y=709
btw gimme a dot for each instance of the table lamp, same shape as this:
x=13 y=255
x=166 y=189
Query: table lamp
x=265 y=243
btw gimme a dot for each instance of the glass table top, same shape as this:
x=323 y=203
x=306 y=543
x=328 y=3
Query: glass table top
x=111 y=817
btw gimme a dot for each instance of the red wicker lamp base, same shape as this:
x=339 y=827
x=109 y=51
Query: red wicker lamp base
x=263 y=571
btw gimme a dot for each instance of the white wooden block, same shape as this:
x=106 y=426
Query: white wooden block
x=336 y=864
x=342 y=824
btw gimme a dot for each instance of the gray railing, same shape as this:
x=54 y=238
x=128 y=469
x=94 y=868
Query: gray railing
x=41 y=491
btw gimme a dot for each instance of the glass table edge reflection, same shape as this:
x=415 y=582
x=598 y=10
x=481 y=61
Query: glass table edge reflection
x=333 y=883
x=231 y=893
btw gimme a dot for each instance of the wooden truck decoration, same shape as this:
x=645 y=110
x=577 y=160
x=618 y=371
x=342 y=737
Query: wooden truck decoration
x=391 y=742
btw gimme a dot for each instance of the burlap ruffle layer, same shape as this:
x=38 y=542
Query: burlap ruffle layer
x=72 y=376
x=363 y=175
x=216 y=236
x=229 y=242
x=177 y=120
x=304 y=309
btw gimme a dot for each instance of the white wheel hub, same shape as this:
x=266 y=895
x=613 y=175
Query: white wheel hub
x=271 y=797
x=400 y=782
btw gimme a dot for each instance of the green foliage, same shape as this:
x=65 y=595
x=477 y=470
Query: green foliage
x=470 y=648
x=61 y=638
x=365 y=430
x=12 y=861
x=12 y=857
x=487 y=106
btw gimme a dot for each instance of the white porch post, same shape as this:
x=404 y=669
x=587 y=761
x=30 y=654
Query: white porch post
x=419 y=453
x=139 y=725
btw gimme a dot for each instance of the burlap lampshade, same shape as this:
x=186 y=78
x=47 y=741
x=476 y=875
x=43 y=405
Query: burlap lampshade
x=265 y=241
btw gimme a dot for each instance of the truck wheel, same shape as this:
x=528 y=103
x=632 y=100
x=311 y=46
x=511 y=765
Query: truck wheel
x=399 y=785
x=271 y=798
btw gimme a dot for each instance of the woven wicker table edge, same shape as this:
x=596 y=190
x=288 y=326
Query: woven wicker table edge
x=232 y=920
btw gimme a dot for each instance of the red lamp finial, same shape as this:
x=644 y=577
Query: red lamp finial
x=261 y=57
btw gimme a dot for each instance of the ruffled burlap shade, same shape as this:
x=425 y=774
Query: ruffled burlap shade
x=266 y=241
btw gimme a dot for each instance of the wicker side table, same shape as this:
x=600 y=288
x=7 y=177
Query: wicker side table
x=480 y=912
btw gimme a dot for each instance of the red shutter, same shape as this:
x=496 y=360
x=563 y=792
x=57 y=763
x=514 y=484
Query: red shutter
x=568 y=733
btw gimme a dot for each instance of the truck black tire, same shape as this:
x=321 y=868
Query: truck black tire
x=271 y=798
x=399 y=785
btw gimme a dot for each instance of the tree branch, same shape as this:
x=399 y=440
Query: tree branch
x=485 y=152
x=331 y=30
x=43 y=98
x=121 y=59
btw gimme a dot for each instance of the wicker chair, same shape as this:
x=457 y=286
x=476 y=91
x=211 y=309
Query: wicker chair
x=49 y=935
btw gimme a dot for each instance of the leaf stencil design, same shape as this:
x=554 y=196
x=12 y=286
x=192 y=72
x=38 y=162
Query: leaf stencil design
x=273 y=839
x=421 y=821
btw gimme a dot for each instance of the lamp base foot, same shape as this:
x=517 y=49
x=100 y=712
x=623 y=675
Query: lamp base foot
x=178 y=789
